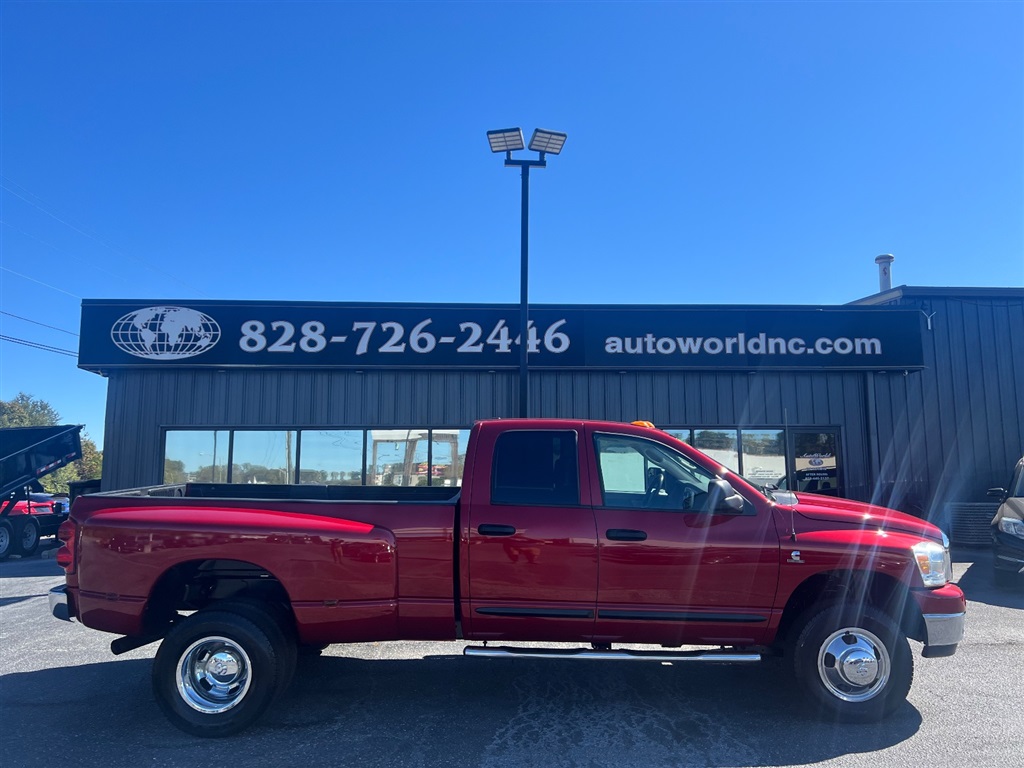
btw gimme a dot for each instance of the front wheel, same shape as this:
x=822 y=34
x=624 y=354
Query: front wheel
x=855 y=665
x=215 y=673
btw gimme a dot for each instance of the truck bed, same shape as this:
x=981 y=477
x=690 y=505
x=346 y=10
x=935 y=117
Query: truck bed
x=306 y=492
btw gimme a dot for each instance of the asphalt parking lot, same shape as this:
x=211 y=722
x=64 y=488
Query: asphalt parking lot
x=64 y=699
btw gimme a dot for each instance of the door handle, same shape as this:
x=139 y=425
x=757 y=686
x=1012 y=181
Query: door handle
x=488 y=529
x=625 y=534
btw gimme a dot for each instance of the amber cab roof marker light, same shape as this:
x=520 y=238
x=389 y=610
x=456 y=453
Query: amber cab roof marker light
x=647 y=424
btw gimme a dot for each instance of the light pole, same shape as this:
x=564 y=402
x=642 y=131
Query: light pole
x=508 y=140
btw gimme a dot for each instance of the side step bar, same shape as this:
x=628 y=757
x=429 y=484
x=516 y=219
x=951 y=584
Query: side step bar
x=720 y=656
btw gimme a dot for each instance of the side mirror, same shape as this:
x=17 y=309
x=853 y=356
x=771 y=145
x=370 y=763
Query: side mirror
x=722 y=497
x=999 y=493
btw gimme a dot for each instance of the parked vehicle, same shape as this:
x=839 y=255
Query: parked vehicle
x=26 y=512
x=1008 y=530
x=591 y=533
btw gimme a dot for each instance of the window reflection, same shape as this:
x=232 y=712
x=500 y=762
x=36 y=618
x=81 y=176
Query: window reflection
x=720 y=445
x=398 y=457
x=332 y=457
x=196 y=456
x=263 y=457
x=686 y=435
x=448 y=456
x=764 y=456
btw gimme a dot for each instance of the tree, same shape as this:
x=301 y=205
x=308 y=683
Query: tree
x=27 y=411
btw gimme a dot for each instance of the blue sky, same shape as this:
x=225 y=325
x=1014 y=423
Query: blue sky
x=717 y=153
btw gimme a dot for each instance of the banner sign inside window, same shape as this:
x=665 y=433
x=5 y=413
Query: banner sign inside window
x=117 y=334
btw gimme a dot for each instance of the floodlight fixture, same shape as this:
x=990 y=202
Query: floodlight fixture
x=549 y=142
x=505 y=139
x=543 y=142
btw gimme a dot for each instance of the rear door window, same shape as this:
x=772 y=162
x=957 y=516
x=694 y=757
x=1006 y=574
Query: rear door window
x=535 y=467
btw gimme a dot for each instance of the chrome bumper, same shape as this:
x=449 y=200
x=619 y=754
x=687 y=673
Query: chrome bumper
x=59 y=603
x=943 y=628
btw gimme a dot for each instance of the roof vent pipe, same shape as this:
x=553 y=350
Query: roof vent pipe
x=884 y=263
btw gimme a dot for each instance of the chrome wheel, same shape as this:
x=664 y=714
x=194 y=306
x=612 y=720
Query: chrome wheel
x=5 y=540
x=853 y=664
x=213 y=675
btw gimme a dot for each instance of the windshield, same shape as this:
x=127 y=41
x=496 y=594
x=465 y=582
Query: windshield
x=1017 y=483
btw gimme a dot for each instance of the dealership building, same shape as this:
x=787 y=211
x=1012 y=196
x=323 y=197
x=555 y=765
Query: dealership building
x=912 y=397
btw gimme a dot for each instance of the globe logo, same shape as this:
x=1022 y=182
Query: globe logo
x=165 y=333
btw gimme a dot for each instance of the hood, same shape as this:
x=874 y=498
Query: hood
x=1013 y=507
x=830 y=509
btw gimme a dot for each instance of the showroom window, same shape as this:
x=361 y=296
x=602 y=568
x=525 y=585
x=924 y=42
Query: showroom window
x=807 y=457
x=419 y=456
x=198 y=456
x=332 y=456
x=722 y=445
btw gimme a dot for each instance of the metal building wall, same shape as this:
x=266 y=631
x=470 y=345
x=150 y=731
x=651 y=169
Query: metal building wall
x=956 y=429
x=720 y=399
x=141 y=403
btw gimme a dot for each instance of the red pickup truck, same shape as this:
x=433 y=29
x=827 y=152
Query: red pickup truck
x=595 y=534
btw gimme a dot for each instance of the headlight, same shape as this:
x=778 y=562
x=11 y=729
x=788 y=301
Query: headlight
x=1012 y=526
x=933 y=562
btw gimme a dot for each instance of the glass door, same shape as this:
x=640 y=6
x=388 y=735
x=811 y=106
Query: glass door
x=815 y=464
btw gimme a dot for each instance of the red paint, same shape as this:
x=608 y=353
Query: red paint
x=356 y=571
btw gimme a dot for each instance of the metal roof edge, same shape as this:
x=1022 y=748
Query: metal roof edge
x=905 y=291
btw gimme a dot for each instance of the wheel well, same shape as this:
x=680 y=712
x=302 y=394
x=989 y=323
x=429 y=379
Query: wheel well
x=878 y=590
x=194 y=585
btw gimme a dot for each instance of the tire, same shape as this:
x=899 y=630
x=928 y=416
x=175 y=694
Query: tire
x=215 y=673
x=6 y=540
x=28 y=539
x=276 y=623
x=853 y=664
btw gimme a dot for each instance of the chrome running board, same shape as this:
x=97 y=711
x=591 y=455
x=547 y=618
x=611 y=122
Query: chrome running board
x=503 y=652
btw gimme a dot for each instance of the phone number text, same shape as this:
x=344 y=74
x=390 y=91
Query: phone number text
x=390 y=338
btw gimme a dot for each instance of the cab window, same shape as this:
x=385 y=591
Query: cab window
x=535 y=467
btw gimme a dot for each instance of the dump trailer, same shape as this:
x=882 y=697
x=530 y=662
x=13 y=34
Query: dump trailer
x=27 y=512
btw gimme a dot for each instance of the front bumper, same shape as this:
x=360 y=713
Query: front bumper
x=58 y=598
x=944 y=629
x=1008 y=551
x=944 y=611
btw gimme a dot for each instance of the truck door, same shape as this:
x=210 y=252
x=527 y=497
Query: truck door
x=673 y=571
x=531 y=539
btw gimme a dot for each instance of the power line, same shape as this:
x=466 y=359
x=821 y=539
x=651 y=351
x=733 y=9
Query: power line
x=44 y=347
x=61 y=250
x=36 y=322
x=59 y=290
x=87 y=234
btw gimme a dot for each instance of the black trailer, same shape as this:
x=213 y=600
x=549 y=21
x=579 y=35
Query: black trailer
x=26 y=511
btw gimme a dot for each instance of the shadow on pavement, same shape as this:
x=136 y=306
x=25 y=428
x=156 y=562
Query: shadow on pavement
x=979 y=585
x=29 y=567
x=20 y=599
x=448 y=710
